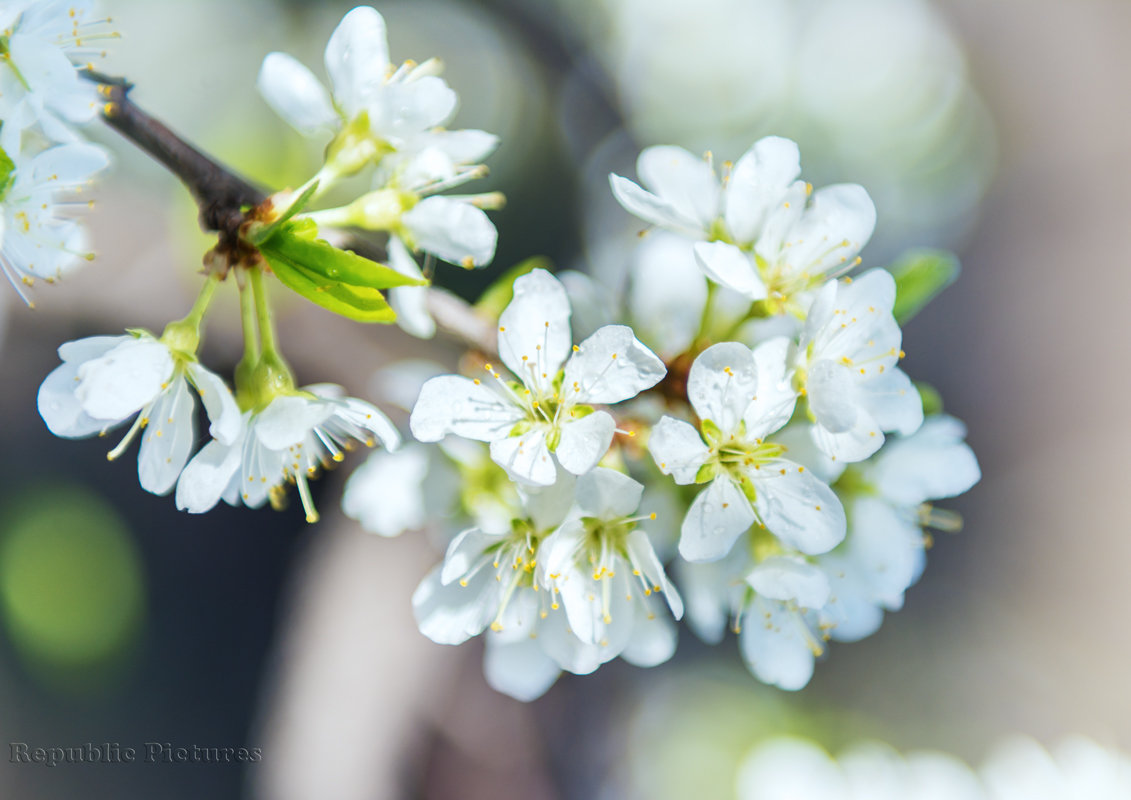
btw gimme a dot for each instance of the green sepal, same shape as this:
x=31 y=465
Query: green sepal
x=258 y=233
x=499 y=294
x=919 y=276
x=932 y=400
x=359 y=303
x=711 y=432
x=296 y=243
x=707 y=472
x=7 y=172
x=140 y=333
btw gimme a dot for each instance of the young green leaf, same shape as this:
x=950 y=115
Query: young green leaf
x=296 y=244
x=7 y=168
x=919 y=276
x=359 y=303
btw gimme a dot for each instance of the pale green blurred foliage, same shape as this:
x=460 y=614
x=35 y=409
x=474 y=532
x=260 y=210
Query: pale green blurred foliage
x=72 y=588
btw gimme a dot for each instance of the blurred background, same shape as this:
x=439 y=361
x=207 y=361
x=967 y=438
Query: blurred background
x=997 y=128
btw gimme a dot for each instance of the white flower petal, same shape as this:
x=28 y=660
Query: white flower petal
x=291 y=89
x=641 y=553
x=547 y=506
x=404 y=110
x=678 y=449
x=681 y=179
x=385 y=494
x=773 y=405
x=610 y=366
x=798 y=508
x=832 y=397
x=125 y=379
x=608 y=494
x=90 y=348
x=933 y=464
x=525 y=458
x=652 y=209
x=410 y=302
x=855 y=444
x=452 y=230
x=728 y=266
x=534 y=333
x=667 y=293
x=835 y=227
x=654 y=640
x=452 y=404
x=288 y=419
x=790 y=769
x=218 y=403
x=775 y=647
x=717 y=517
x=357 y=57
x=570 y=652
x=209 y=475
x=802 y=449
x=61 y=410
x=893 y=402
x=168 y=438
x=520 y=669
x=454 y=613
x=758 y=183
x=791 y=578
x=721 y=384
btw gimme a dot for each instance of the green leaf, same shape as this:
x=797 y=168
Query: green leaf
x=259 y=232
x=498 y=295
x=359 y=303
x=919 y=276
x=7 y=170
x=932 y=400
x=296 y=244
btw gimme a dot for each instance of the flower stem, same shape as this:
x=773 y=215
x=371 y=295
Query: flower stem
x=247 y=321
x=263 y=313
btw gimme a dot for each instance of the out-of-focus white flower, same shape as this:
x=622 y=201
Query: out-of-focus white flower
x=742 y=397
x=1078 y=769
x=35 y=241
x=759 y=234
x=386 y=493
x=846 y=364
x=41 y=43
x=888 y=499
x=288 y=440
x=796 y=769
x=547 y=415
x=606 y=572
x=374 y=108
x=105 y=380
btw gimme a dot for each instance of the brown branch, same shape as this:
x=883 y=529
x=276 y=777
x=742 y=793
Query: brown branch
x=221 y=195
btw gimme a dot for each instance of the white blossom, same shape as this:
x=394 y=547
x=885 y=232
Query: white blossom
x=761 y=232
x=787 y=768
x=888 y=499
x=105 y=380
x=375 y=108
x=286 y=441
x=43 y=43
x=742 y=397
x=846 y=364
x=547 y=414
x=1077 y=769
x=36 y=241
x=605 y=569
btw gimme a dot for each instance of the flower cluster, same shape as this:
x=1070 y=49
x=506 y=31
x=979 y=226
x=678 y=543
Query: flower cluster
x=795 y=769
x=743 y=419
x=789 y=451
x=391 y=116
x=44 y=164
